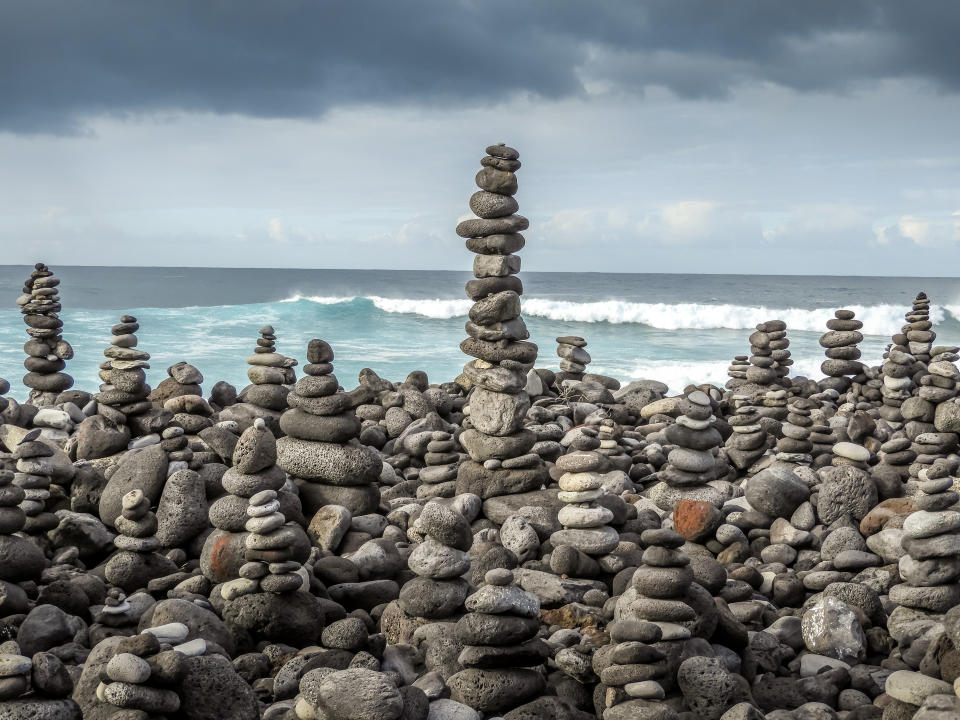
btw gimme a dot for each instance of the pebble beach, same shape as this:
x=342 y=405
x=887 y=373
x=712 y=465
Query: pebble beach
x=509 y=503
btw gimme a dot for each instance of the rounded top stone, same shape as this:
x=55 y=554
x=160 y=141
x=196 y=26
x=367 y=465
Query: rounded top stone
x=501 y=150
x=260 y=424
x=664 y=537
x=128 y=319
x=698 y=397
x=844 y=314
x=132 y=499
x=267 y=330
x=319 y=351
x=263 y=497
x=498 y=576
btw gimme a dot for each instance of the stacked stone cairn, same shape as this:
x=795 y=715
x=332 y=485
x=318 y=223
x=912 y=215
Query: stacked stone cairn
x=768 y=360
x=439 y=476
x=22 y=559
x=499 y=446
x=269 y=544
x=918 y=332
x=321 y=449
x=737 y=372
x=138 y=678
x=181 y=394
x=691 y=464
x=748 y=441
x=270 y=373
x=136 y=561
x=930 y=570
x=840 y=340
x=586 y=534
x=37 y=687
x=46 y=350
x=501 y=648
x=573 y=358
x=795 y=446
x=125 y=390
x=629 y=669
x=33 y=477
x=939 y=384
x=896 y=371
x=439 y=561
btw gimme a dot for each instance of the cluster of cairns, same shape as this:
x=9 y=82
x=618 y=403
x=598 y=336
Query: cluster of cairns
x=519 y=543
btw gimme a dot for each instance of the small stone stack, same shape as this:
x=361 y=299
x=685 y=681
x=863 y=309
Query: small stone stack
x=269 y=373
x=138 y=677
x=768 y=345
x=918 y=331
x=500 y=647
x=795 y=445
x=661 y=586
x=931 y=568
x=33 y=477
x=499 y=446
x=896 y=370
x=939 y=384
x=840 y=340
x=439 y=477
x=691 y=464
x=629 y=668
x=439 y=561
x=585 y=534
x=737 y=372
x=181 y=394
x=37 y=687
x=573 y=358
x=748 y=442
x=47 y=351
x=125 y=389
x=136 y=562
x=269 y=552
x=22 y=559
x=321 y=448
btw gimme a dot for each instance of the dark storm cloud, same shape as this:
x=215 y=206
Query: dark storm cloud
x=61 y=60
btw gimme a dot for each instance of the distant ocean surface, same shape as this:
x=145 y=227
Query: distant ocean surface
x=674 y=328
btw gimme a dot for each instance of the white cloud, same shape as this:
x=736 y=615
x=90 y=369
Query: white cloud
x=927 y=231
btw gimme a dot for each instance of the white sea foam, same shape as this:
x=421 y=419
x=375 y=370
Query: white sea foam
x=879 y=320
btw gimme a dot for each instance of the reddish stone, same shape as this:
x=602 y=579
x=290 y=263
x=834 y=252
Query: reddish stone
x=887 y=513
x=696 y=520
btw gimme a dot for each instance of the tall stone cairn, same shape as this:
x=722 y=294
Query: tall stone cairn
x=498 y=444
x=46 y=349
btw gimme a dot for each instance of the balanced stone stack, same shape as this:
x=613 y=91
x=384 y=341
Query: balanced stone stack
x=37 y=687
x=439 y=561
x=748 y=441
x=180 y=393
x=629 y=669
x=795 y=445
x=691 y=464
x=321 y=448
x=737 y=372
x=125 y=389
x=256 y=497
x=33 y=477
x=137 y=679
x=136 y=561
x=499 y=446
x=840 y=340
x=501 y=648
x=269 y=374
x=22 y=560
x=662 y=590
x=573 y=358
x=939 y=384
x=585 y=535
x=918 y=331
x=439 y=477
x=47 y=351
x=931 y=568
x=270 y=566
x=896 y=371
x=768 y=347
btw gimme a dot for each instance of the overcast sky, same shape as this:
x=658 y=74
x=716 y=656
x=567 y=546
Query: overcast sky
x=673 y=136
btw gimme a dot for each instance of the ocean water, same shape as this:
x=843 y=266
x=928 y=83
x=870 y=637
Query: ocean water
x=674 y=328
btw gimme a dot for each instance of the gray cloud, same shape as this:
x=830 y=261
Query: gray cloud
x=63 y=61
